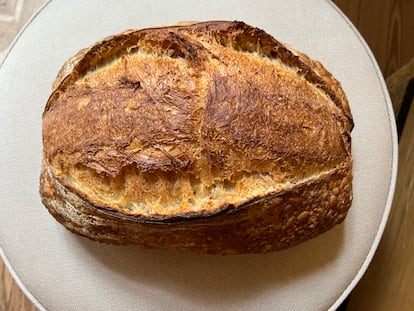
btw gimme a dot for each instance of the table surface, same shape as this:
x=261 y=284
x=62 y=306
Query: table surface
x=390 y=276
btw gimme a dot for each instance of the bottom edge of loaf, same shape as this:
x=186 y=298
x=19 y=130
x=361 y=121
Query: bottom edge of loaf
x=273 y=223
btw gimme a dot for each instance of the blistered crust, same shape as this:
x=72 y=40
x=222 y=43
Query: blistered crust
x=212 y=137
x=269 y=223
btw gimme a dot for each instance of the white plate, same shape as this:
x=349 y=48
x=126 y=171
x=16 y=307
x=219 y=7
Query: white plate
x=61 y=271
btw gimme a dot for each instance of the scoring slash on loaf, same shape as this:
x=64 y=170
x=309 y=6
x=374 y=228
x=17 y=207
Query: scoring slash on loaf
x=211 y=137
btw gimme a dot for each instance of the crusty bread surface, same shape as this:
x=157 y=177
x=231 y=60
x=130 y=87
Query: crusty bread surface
x=212 y=137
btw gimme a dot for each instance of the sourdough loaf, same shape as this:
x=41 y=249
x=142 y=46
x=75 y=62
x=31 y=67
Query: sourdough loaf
x=211 y=137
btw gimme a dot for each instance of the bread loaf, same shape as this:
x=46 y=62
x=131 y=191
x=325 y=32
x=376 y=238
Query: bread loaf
x=212 y=137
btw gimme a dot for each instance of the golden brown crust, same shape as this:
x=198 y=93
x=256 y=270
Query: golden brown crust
x=264 y=224
x=250 y=138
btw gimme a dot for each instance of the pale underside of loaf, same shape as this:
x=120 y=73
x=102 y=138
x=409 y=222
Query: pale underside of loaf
x=185 y=121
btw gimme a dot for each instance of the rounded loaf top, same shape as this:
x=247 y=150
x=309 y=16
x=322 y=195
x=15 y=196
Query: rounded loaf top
x=192 y=120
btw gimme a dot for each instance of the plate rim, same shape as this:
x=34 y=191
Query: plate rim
x=3 y=256
x=394 y=162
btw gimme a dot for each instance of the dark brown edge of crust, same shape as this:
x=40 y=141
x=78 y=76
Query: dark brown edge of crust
x=222 y=29
x=59 y=196
x=194 y=216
